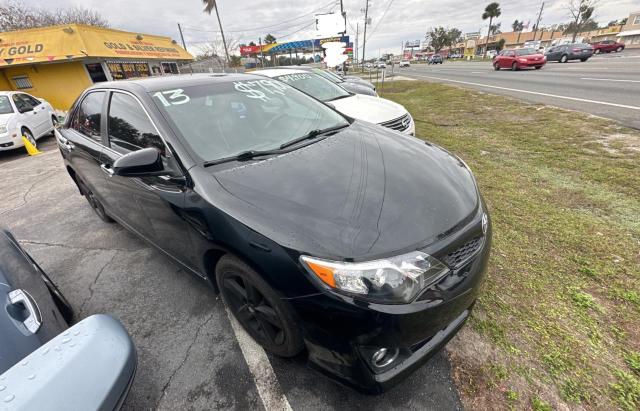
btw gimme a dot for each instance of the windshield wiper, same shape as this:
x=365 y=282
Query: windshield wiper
x=312 y=134
x=244 y=155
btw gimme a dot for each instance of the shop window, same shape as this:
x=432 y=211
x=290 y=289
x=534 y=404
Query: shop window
x=125 y=70
x=170 y=68
x=96 y=72
x=22 y=82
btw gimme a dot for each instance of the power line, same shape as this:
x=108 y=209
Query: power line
x=381 y=18
x=263 y=27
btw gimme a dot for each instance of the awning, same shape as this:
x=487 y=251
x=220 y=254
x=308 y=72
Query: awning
x=76 y=41
x=629 y=33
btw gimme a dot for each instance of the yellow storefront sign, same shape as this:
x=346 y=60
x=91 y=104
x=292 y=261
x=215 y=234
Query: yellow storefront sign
x=68 y=42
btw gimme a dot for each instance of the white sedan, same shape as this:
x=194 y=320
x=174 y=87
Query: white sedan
x=21 y=114
x=361 y=107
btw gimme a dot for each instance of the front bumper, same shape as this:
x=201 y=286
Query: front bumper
x=341 y=333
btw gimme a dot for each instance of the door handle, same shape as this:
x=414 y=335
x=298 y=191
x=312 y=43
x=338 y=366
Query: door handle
x=107 y=169
x=34 y=320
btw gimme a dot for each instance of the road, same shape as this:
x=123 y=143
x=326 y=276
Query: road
x=190 y=355
x=606 y=86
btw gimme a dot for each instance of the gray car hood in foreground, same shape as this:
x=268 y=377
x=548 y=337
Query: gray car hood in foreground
x=90 y=366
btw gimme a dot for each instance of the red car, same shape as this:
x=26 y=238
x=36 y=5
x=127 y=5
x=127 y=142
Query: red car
x=607 y=46
x=516 y=59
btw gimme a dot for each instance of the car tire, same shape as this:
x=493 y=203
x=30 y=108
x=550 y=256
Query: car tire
x=538 y=67
x=496 y=66
x=267 y=317
x=583 y=60
x=514 y=67
x=564 y=58
x=95 y=204
x=619 y=49
x=26 y=133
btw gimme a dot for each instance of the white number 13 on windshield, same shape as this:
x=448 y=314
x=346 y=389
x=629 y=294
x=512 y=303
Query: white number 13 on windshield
x=172 y=97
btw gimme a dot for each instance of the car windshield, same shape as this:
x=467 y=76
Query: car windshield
x=526 y=52
x=224 y=119
x=315 y=86
x=329 y=76
x=5 y=105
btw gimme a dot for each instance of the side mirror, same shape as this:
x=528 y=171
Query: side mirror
x=140 y=163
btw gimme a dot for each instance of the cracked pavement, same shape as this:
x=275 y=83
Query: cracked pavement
x=188 y=355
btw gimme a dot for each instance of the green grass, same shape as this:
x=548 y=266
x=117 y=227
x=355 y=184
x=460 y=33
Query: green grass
x=562 y=294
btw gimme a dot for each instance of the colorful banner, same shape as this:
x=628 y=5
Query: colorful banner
x=246 y=50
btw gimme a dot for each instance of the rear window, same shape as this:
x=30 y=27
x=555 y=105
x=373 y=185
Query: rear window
x=526 y=52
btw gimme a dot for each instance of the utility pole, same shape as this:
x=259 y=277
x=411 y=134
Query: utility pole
x=184 y=45
x=364 y=41
x=356 y=43
x=535 y=28
x=261 y=55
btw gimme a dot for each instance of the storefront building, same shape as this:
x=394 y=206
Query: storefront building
x=57 y=63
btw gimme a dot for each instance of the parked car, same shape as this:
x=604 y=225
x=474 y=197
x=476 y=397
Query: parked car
x=351 y=85
x=43 y=363
x=492 y=53
x=405 y=63
x=381 y=65
x=566 y=52
x=372 y=109
x=517 y=59
x=21 y=114
x=435 y=59
x=365 y=246
x=607 y=46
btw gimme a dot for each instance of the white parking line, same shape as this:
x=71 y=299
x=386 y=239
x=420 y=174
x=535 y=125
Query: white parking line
x=609 y=79
x=269 y=389
x=605 y=103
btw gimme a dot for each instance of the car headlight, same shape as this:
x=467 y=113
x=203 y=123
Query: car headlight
x=3 y=128
x=393 y=280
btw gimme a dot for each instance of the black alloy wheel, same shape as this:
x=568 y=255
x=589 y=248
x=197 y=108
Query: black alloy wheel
x=257 y=307
x=95 y=204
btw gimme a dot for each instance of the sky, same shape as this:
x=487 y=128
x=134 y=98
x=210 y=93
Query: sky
x=392 y=21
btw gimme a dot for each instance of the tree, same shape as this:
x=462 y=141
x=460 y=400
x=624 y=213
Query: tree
x=252 y=43
x=210 y=5
x=581 y=12
x=517 y=25
x=490 y=12
x=269 y=39
x=501 y=44
x=495 y=29
x=439 y=38
x=216 y=48
x=14 y=15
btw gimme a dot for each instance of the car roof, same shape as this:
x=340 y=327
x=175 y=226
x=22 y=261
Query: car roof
x=279 y=72
x=150 y=84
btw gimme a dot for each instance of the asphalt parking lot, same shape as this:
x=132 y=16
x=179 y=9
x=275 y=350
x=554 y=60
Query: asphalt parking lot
x=606 y=85
x=190 y=356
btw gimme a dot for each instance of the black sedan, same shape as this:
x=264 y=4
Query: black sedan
x=364 y=246
x=567 y=52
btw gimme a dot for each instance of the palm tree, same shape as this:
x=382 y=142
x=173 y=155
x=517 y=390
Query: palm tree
x=490 y=12
x=212 y=5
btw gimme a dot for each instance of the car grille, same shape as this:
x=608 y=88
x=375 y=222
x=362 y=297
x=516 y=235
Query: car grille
x=456 y=258
x=399 y=124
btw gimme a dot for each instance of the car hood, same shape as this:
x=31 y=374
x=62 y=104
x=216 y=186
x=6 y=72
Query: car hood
x=368 y=108
x=361 y=193
x=358 y=88
x=5 y=118
x=358 y=80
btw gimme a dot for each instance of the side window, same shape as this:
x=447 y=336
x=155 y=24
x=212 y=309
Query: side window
x=511 y=53
x=31 y=100
x=87 y=119
x=129 y=126
x=21 y=104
